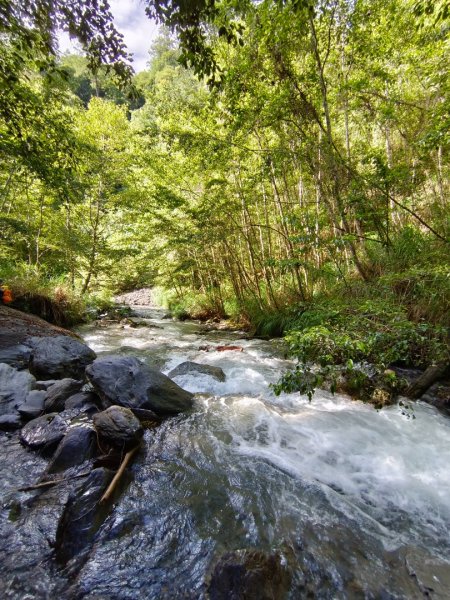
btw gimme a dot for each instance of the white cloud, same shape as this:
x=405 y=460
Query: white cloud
x=137 y=29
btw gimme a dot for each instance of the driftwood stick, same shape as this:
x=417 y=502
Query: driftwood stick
x=44 y=484
x=112 y=486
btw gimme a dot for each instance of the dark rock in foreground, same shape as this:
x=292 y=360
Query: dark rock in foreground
x=14 y=388
x=59 y=356
x=125 y=381
x=249 y=574
x=59 y=392
x=78 y=445
x=44 y=432
x=118 y=426
x=82 y=517
x=193 y=367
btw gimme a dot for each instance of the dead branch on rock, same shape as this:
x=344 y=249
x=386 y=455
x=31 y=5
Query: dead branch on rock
x=44 y=484
x=112 y=486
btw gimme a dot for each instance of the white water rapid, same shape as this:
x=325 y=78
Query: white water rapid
x=362 y=493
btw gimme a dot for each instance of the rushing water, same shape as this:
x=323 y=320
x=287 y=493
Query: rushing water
x=355 y=501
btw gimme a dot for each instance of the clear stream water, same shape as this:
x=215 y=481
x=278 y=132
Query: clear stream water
x=355 y=501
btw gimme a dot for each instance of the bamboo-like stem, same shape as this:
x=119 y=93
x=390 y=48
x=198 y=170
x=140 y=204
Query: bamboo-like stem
x=112 y=486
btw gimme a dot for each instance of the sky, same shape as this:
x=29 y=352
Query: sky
x=137 y=29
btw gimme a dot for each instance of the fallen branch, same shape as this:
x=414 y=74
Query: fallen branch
x=44 y=484
x=112 y=486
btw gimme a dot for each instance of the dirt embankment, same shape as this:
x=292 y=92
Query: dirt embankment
x=16 y=327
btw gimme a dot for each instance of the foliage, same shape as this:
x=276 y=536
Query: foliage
x=307 y=193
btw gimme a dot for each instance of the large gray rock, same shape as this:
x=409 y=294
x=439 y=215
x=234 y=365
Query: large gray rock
x=192 y=367
x=125 y=381
x=44 y=432
x=118 y=426
x=58 y=393
x=60 y=356
x=14 y=387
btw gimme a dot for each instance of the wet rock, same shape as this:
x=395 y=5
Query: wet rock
x=44 y=432
x=118 y=426
x=14 y=387
x=82 y=517
x=34 y=404
x=125 y=381
x=193 y=367
x=59 y=392
x=17 y=356
x=78 y=445
x=59 y=356
x=438 y=395
x=10 y=422
x=249 y=574
x=44 y=385
x=144 y=414
x=87 y=401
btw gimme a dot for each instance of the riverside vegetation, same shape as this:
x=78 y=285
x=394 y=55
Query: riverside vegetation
x=285 y=165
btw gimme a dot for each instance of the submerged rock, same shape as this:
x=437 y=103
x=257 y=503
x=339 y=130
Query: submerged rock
x=125 y=381
x=59 y=392
x=44 y=432
x=118 y=426
x=14 y=387
x=193 y=367
x=59 y=356
x=249 y=574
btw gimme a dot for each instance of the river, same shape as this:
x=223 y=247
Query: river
x=346 y=501
x=355 y=501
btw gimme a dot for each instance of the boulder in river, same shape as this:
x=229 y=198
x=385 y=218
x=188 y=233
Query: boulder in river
x=44 y=432
x=60 y=356
x=14 y=387
x=192 y=367
x=125 y=381
x=58 y=393
x=118 y=426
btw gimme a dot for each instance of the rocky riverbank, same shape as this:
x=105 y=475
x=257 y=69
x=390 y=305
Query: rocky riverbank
x=81 y=415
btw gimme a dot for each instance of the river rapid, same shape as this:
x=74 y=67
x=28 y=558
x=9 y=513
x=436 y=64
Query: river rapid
x=352 y=501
